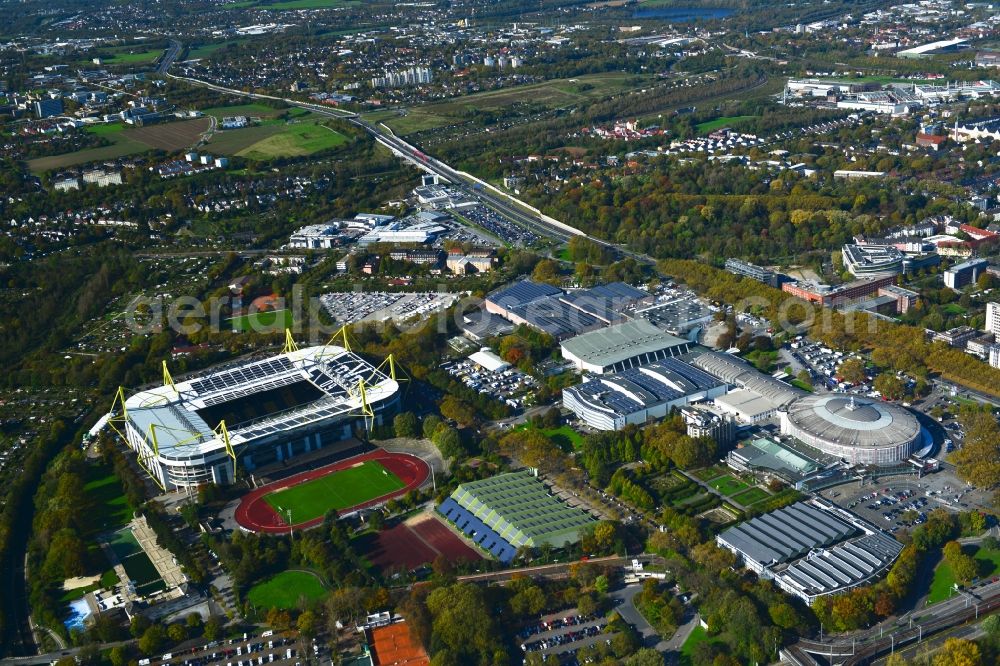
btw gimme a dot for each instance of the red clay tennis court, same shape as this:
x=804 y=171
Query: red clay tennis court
x=416 y=542
x=256 y=515
x=392 y=646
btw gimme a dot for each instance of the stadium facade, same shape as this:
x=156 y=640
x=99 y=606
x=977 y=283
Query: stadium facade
x=857 y=430
x=258 y=412
x=812 y=549
x=638 y=395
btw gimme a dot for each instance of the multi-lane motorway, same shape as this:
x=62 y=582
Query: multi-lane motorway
x=510 y=207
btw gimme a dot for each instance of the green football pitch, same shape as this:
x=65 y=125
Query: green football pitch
x=337 y=490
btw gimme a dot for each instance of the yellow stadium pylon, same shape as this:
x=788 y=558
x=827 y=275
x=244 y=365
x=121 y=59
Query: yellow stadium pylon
x=290 y=344
x=168 y=380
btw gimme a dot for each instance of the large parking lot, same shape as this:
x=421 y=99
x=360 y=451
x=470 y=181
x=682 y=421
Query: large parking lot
x=354 y=306
x=563 y=634
x=498 y=225
x=903 y=502
x=269 y=648
x=508 y=385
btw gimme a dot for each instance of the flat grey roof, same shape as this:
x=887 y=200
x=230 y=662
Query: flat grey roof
x=618 y=343
x=786 y=534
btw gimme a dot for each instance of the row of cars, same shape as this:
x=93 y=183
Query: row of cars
x=499 y=226
x=562 y=639
x=245 y=651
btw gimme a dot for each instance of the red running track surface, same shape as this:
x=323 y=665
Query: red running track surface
x=409 y=546
x=256 y=515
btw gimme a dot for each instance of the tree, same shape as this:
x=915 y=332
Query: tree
x=547 y=271
x=346 y=604
x=405 y=424
x=804 y=377
x=963 y=566
x=152 y=640
x=889 y=385
x=307 y=624
x=528 y=602
x=119 y=657
x=978 y=461
x=458 y=410
x=430 y=425
x=279 y=619
x=645 y=657
x=449 y=442
x=463 y=623
x=958 y=652
x=213 y=629
x=177 y=632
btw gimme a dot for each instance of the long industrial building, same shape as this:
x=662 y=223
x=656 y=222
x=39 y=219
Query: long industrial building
x=566 y=314
x=738 y=373
x=257 y=412
x=812 y=549
x=638 y=395
x=634 y=343
x=504 y=512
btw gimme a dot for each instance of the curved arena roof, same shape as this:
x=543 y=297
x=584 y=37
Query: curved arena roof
x=852 y=421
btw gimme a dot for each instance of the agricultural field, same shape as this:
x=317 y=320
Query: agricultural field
x=337 y=490
x=170 y=137
x=286 y=589
x=262 y=322
x=127 y=141
x=253 y=109
x=205 y=50
x=295 y=140
x=282 y=5
x=550 y=94
x=718 y=123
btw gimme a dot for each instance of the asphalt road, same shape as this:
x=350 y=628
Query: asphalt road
x=628 y=611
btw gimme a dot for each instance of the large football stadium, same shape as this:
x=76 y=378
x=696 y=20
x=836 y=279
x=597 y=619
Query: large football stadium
x=253 y=413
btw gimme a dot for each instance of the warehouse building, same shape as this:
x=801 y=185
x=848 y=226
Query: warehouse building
x=747 y=406
x=508 y=511
x=565 y=314
x=639 y=395
x=812 y=549
x=626 y=345
x=738 y=373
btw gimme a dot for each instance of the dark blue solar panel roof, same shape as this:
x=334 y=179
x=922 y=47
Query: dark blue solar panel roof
x=522 y=293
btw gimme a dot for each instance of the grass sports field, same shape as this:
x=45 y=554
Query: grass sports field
x=286 y=589
x=339 y=490
x=262 y=322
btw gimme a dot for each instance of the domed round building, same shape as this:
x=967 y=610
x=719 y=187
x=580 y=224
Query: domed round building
x=859 y=430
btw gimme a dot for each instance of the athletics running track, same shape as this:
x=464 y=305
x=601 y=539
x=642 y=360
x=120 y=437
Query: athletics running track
x=255 y=515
